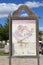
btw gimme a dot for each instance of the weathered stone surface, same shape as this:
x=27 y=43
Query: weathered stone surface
x=4 y=60
x=24 y=61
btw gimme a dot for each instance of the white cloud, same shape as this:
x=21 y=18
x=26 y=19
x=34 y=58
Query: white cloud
x=41 y=28
x=24 y=15
x=34 y=4
x=6 y=8
x=5 y=15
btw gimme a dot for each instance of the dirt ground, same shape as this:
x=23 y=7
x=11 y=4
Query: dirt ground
x=4 y=60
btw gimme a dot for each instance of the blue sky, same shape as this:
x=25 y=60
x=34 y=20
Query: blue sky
x=18 y=1
x=8 y=6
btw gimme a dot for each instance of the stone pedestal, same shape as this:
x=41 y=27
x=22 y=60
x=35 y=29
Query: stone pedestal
x=24 y=61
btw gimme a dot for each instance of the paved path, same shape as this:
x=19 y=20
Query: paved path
x=41 y=60
x=4 y=60
x=1 y=49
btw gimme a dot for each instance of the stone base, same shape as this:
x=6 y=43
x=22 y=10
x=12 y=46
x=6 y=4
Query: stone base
x=24 y=61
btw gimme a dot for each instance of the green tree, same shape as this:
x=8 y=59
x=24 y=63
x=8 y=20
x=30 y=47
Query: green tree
x=1 y=32
x=4 y=31
x=40 y=35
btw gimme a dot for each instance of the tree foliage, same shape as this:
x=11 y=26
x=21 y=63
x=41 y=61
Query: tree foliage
x=4 y=31
x=1 y=32
x=40 y=35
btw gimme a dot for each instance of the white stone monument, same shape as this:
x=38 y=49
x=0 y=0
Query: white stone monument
x=3 y=42
x=23 y=37
x=6 y=48
x=0 y=41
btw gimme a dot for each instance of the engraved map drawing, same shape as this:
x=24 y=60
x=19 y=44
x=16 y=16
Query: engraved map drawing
x=24 y=37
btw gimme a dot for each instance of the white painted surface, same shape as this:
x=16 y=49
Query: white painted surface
x=6 y=48
x=24 y=37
